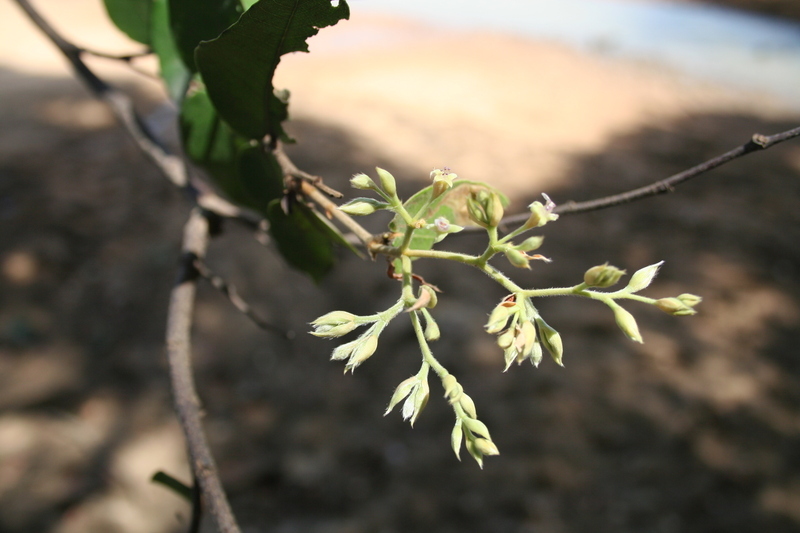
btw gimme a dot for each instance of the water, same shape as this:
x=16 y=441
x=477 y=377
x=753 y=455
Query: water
x=727 y=46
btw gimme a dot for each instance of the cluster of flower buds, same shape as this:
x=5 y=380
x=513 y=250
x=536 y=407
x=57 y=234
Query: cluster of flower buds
x=468 y=429
x=416 y=392
x=521 y=332
x=367 y=206
x=485 y=208
x=338 y=323
x=682 y=305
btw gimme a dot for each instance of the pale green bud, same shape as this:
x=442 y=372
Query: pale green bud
x=456 y=437
x=468 y=406
x=675 y=307
x=362 y=206
x=690 y=299
x=387 y=182
x=362 y=352
x=602 y=276
x=643 y=277
x=485 y=208
x=362 y=181
x=528 y=337
x=486 y=447
x=505 y=339
x=477 y=427
x=433 y=298
x=402 y=390
x=627 y=323
x=509 y=356
x=474 y=452
x=517 y=258
x=344 y=351
x=452 y=390
x=421 y=396
x=551 y=340
x=499 y=317
x=432 y=332
x=334 y=324
x=530 y=244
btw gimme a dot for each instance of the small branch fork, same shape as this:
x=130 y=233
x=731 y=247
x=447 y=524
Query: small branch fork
x=181 y=306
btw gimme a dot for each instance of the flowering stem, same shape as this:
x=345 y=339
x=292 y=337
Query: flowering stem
x=427 y=354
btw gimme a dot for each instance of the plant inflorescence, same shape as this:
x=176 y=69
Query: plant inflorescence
x=427 y=218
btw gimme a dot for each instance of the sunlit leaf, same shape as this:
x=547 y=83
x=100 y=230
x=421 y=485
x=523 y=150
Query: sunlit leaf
x=173 y=71
x=238 y=66
x=132 y=17
x=450 y=205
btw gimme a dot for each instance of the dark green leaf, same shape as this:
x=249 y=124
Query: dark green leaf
x=300 y=239
x=174 y=72
x=241 y=169
x=193 y=21
x=180 y=488
x=239 y=65
x=132 y=17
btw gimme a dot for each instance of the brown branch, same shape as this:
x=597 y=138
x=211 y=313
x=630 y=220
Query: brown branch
x=173 y=167
x=757 y=143
x=187 y=403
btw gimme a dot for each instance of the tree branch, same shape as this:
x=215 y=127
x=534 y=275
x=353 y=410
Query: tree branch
x=757 y=143
x=187 y=403
x=173 y=167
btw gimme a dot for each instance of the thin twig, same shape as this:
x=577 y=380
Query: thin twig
x=757 y=143
x=187 y=403
x=230 y=291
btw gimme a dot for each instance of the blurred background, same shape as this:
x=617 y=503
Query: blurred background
x=697 y=430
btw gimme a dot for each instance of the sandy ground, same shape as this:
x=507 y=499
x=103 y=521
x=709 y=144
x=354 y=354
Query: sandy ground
x=697 y=430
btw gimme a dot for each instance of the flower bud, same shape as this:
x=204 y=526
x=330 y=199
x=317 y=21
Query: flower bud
x=362 y=206
x=477 y=427
x=690 y=299
x=432 y=332
x=530 y=244
x=362 y=181
x=402 y=390
x=675 y=307
x=485 y=208
x=456 y=437
x=468 y=406
x=643 y=277
x=362 y=352
x=452 y=390
x=627 y=323
x=499 y=317
x=602 y=276
x=551 y=340
x=486 y=447
x=517 y=258
x=505 y=339
x=387 y=182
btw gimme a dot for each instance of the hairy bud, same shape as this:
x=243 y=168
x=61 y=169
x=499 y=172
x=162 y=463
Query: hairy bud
x=602 y=276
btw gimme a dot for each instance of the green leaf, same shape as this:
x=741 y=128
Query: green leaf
x=452 y=205
x=241 y=169
x=132 y=17
x=247 y=4
x=173 y=71
x=193 y=21
x=238 y=66
x=300 y=240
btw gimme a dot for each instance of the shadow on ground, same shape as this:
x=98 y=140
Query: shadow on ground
x=696 y=430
